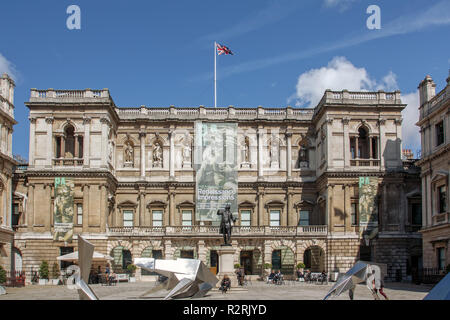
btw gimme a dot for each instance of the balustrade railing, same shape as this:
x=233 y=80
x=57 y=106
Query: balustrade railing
x=68 y=162
x=365 y=162
x=214 y=230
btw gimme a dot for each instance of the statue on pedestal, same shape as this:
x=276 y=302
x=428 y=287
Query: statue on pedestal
x=225 y=224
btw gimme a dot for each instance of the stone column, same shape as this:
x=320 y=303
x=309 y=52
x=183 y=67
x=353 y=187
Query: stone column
x=1 y=138
x=63 y=146
x=289 y=155
x=329 y=141
x=49 y=121
x=403 y=207
x=347 y=151
x=86 y=140
x=347 y=208
x=104 y=123
x=260 y=153
x=356 y=147
x=10 y=133
x=291 y=213
x=171 y=156
x=260 y=208
x=398 y=127
x=202 y=251
x=329 y=211
x=171 y=220
x=77 y=146
x=32 y=141
x=142 y=208
x=385 y=212
x=85 y=207
x=142 y=142
x=104 y=206
x=382 y=144
x=370 y=148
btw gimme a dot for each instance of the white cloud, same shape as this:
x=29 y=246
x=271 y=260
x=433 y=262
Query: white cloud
x=410 y=132
x=341 y=4
x=341 y=74
x=7 y=67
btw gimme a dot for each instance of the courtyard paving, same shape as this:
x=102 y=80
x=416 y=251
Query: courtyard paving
x=253 y=291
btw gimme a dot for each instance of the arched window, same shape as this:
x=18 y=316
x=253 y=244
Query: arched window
x=69 y=135
x=363 y=145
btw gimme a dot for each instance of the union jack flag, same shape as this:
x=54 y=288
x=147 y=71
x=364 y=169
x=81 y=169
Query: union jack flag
x=223 y=50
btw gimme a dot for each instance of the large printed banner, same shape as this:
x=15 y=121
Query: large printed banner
x=368 y=208
x=215 y=161
x=63 y=210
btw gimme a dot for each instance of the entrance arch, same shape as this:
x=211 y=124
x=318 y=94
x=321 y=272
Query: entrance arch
x=283 y=260
x=314 y=259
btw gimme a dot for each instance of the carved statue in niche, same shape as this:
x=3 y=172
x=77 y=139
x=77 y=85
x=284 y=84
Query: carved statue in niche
x=246 y=150
x=128 y=154
x=303 y=159
x=110 y=150
x=157 y=155
x=274 y=152
x=186 y=150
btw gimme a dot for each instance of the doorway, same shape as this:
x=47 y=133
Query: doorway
x=247 y=261
x=214 y=262
x=276 y=260
x=187 y=254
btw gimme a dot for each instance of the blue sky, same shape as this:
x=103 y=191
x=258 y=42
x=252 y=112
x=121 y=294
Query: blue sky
x=159 y=53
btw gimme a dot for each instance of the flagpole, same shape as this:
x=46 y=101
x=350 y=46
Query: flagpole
x=215 y=75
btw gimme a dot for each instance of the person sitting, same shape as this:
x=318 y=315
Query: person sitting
x=278 y=277
x=270 y=277
x=225 y=284
x=323 y=277
x=308 y=276
x=112 y=279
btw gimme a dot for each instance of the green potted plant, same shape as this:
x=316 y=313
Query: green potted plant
x=301 y=266
x=237 y=265
x=55 y=274
x=2 y=275
x=43 y=273
x=131 y=270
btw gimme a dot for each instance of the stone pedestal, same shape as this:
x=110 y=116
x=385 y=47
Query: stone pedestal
x=226 y=265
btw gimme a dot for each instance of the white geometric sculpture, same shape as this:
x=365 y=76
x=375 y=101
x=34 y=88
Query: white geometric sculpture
x=85 y=253
x=186 y=277
x=360 y=272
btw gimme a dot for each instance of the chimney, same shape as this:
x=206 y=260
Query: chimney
x=427 y=90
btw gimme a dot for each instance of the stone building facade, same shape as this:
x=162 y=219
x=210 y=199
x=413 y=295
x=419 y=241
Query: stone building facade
x=434 y=125
x=7 y=164
x=298 y=178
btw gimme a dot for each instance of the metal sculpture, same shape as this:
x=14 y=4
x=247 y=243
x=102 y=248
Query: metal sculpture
x=441 y=291
x=85 y=253
x=225 y=223
x=359 y=273
x=185 y=277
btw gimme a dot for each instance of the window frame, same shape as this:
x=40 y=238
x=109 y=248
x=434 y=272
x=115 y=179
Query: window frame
x=241 y=219
x=124 y=210
x=270 y=217
x=440 y=133
x=354 y=216
x=77 y=216
x=182 y=211
x=155 y=210
x=300 y=217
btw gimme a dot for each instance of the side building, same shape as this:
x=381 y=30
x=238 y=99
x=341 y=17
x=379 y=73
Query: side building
x=7 y=164
x=434 y=123
x=324 y=186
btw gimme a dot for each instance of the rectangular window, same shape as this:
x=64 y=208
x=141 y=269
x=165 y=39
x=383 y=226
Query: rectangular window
x=440 y=133
x=79 y=214
x=416 y=213
x=354 y=212
x=274 y=218
x=128 y=218
x=442 y=199
x=186 y=217
x=15 y=215
x=304 y=218
x=441 y=258
x=246 y=218
x=157 y=218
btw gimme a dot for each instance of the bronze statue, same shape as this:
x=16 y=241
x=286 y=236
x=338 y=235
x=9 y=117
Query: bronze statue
x=225 y=224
